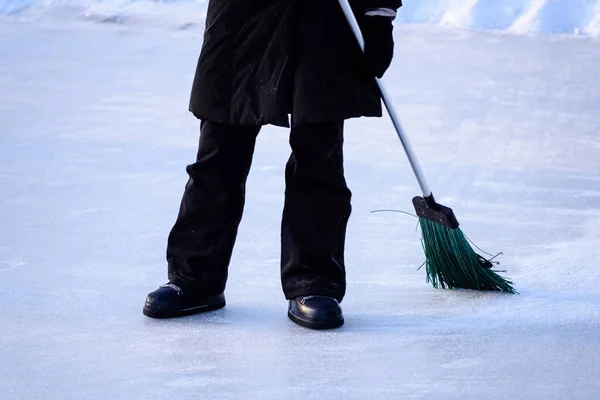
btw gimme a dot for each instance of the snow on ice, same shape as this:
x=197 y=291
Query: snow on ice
x=94 y=138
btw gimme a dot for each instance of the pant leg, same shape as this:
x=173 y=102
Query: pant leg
x=201 y=242
x=316 y=211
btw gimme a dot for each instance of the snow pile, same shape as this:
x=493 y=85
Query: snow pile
x=178 y=13
x=518 y=16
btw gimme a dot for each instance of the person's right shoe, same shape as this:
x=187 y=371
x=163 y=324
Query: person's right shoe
x=170 y=301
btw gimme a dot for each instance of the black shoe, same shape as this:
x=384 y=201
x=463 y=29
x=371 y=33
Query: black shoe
x=316 y=312
x=170 y=301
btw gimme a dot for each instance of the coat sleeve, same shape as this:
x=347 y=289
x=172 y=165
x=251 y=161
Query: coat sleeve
x=368 y=4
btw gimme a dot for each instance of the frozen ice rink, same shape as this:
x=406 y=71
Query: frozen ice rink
x=94 y=139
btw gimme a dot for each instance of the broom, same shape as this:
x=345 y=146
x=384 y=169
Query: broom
x=450 y=260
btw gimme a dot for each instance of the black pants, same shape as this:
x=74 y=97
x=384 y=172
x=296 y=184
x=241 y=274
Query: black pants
x=315 y=215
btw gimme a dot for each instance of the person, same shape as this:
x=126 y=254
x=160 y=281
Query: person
x=261 y=61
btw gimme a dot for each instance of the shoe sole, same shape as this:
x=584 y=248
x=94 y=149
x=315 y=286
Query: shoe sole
x=182 y=313
x=316 y=325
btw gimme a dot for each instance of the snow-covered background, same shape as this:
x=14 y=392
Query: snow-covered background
x=520 y=16
x=94 y=139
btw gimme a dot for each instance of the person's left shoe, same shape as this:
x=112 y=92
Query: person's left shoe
x=316 y=312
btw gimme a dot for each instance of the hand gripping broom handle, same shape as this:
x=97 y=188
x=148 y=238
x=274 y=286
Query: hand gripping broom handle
x=414 y=163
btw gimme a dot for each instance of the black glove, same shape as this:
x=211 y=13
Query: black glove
x=379 y=44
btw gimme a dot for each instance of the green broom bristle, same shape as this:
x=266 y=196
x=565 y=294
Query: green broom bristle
x=452 y=263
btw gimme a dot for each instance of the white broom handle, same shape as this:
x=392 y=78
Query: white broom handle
x=414 y=163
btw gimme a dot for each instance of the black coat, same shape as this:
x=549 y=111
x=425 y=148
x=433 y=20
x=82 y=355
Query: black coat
x=264 y=59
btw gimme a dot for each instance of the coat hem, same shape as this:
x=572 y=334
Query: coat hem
x=276 y=121
x=285 y=123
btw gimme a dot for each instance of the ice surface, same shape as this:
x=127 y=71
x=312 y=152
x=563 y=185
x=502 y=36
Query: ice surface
x=94 y=138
